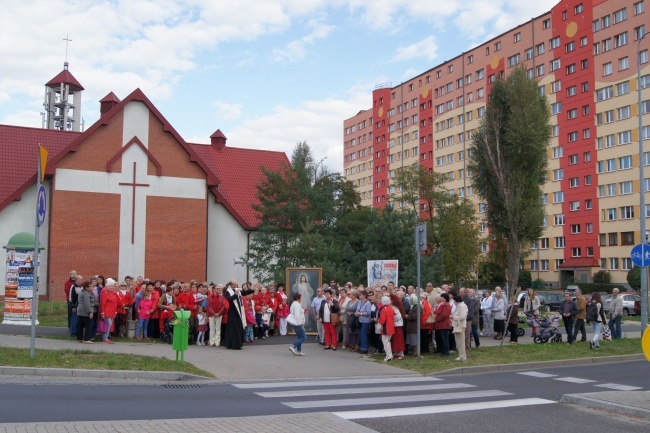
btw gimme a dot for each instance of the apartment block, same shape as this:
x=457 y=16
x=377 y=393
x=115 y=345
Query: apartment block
x=584 y=55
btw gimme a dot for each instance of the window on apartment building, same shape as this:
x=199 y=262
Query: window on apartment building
x=625 y=187
x=558 y=219
x=574 y=182
x=565 y=15
x=596 y=26
x=638 y=8
x=607 y=69
x=586 y=133
x=571 y=46
x=558 y=197
x=574 y=206
x=623 y=63
x=607 y=45
x=623 y=112
x=639 y=32
x=554 y=43
x=613 y=263
x=571 y=91
x=556 y=108
x=620 y=40
x=555 y=64
x=611 y=214
x=620 y=15
x=624 y=137
x=573 y=159
x=627 y=238
x=589 y=205
x=627 y=212
x=576 y=252
x=497 y=46
x=584 y=87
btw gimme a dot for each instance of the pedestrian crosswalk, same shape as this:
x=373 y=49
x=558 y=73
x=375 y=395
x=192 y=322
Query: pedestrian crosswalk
x=386 y=397
x=580 y=381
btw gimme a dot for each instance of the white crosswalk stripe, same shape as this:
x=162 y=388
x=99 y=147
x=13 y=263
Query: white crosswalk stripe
x=581 y=381
x=395 y=399
x=339 y=391
x=368 y=381
x=349 y=398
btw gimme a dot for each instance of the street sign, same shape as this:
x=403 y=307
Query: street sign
x=42 y=205
x=641 y=255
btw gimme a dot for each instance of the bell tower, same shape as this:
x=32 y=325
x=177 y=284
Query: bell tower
x=62 y=102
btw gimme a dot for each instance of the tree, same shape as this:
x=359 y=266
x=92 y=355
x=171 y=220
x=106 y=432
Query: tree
x=634 y=277
x=299 y=209
x=451 y=221
x=509 y=161
x=602 y=277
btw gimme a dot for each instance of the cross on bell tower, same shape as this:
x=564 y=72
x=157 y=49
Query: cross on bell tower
x=62 y=102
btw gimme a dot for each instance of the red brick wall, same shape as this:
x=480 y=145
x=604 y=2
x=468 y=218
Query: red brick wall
x=94 y=152
x=176 y=238
x=84 y=235
x=175 y=160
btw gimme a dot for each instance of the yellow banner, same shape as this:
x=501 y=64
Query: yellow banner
x=42 y=160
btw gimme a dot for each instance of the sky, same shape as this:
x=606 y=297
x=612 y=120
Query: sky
x=268 y=73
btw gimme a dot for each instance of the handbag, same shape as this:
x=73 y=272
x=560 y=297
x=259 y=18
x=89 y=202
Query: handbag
x=607 y=333
x=292 y=320
x=335 y=319
x=431 y=318
x=355 y=324
x=102 y=326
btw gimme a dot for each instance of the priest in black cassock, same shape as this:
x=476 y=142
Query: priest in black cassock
x=234 y=338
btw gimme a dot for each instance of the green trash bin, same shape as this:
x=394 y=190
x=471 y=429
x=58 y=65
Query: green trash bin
x=181 y=333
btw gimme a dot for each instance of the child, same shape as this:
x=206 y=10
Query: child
x=203 y=325
x=145 y=308
x=250 y=318
x=282 y=313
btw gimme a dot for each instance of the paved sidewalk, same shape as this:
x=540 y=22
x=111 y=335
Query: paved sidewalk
x=322 y=422
x=635 y=403
x=237 y=365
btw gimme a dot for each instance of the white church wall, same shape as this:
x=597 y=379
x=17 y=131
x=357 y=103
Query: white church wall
x=227 y=241
x=20 y=216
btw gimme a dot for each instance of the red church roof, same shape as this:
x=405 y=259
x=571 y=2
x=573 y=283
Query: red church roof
x=18 y=157
x=234 y=171
x=65 y=77
x=239 y=172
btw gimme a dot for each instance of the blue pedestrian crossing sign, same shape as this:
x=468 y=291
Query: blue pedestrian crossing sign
x=641 y=255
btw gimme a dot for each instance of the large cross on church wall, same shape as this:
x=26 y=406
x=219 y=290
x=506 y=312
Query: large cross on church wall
x=145 y=196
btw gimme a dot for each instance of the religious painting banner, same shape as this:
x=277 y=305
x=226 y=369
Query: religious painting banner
x=381 y=272
x=304 y=281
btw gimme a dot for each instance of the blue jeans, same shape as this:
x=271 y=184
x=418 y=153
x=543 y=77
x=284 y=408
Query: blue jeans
x=106 y=334
x=474 y=332
x=363 y=335
x=142 y=324
x=300 y=332
x=248 y=334
x=615 y=326
x=74 y=319
x=597 y=328
x=444 y=337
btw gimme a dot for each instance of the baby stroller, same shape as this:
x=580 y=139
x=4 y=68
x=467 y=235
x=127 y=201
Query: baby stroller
x=168 y=332
x=547 y=329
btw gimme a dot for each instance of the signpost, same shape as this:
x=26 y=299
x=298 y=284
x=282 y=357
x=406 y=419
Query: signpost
x=641 y=258
x=41 y=205
x=420 y=245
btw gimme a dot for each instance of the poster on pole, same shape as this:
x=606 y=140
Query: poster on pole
x=19 y=284
x=380 y=272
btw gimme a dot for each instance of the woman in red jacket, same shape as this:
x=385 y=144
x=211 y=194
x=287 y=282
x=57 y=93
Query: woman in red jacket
x=426 y=325
x=442 y=323
x=108 y=308
x=387 y=322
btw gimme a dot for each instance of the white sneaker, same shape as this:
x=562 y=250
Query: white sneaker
x=293 y=350
x=301 y=354
x=459 y=359
x=388 y=359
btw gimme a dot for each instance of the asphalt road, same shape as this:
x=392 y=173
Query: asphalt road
x=481 y=402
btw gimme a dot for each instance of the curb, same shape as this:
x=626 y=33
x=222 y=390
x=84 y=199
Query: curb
x=540 y=364
x=586 y=400
x=101 y=374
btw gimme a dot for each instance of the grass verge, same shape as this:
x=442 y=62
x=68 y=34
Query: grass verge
x=89 y=360
x=431 y=363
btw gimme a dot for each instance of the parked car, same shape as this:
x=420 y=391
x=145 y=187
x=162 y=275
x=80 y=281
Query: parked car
x=628 y=303
x=551 y=300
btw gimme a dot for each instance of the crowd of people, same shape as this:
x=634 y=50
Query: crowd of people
x=382 y=319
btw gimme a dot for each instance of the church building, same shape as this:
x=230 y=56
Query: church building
x=129 y=196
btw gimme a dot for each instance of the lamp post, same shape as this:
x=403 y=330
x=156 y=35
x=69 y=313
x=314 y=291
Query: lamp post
x=644 y=271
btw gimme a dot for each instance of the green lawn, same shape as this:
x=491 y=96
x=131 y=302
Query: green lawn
x=86 y=359
x=507 y=354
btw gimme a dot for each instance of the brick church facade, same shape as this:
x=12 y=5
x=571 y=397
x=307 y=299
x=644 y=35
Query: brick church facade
x=130 y=197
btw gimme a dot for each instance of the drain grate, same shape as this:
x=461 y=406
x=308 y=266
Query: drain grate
x=181 y=386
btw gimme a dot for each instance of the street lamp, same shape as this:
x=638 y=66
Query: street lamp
x=644 y=272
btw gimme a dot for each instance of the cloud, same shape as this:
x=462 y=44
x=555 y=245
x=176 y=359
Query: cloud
x=227 y=111
x=296 y=49
x=426 y=48
x=319 y=122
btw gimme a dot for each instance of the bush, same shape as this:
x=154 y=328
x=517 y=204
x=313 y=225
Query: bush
x=634 y=278
x=525 y=279
x=602 y=277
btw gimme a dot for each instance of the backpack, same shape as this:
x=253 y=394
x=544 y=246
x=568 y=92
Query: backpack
x=592 y=312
